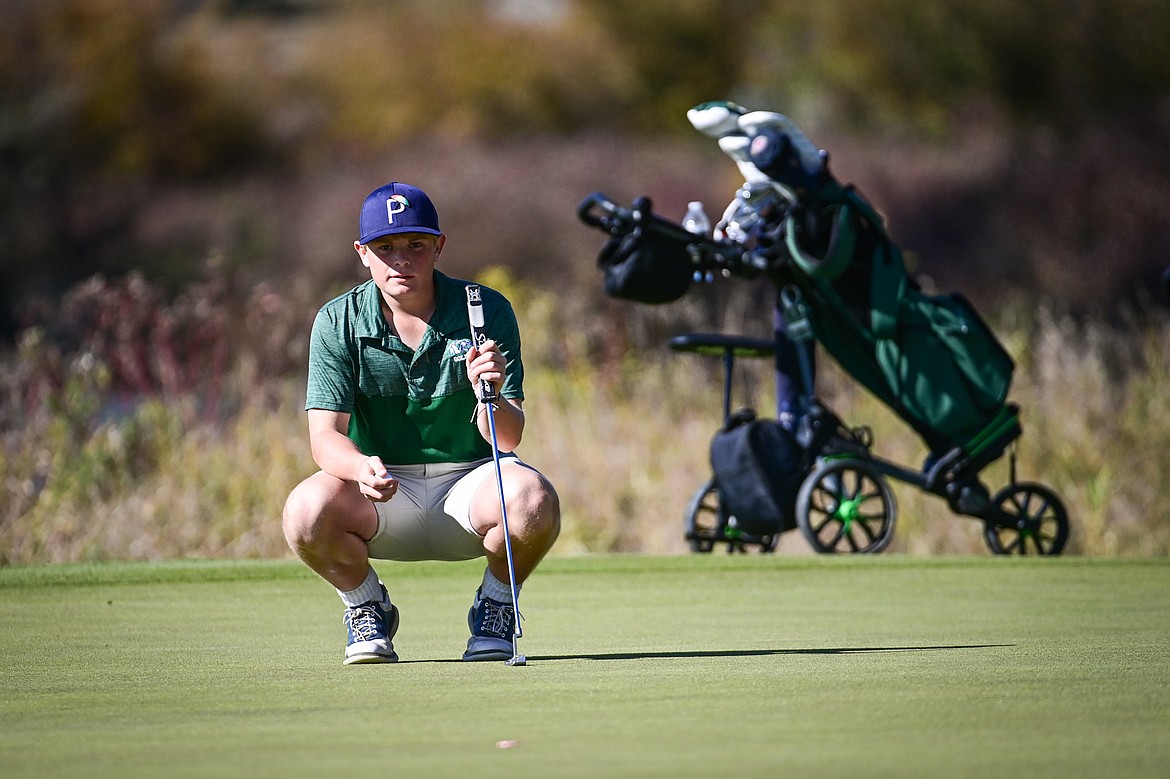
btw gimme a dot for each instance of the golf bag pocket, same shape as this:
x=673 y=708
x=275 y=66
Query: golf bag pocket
x=645 y=266
x=947 y=367
x=758 y=467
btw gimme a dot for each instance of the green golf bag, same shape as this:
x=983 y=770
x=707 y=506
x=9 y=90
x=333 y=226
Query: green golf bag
x=931 y=358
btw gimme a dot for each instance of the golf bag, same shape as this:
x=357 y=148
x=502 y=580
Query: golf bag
x=930 y=358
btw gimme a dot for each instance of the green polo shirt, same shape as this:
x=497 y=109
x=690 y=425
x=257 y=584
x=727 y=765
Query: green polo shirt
x=408 y=406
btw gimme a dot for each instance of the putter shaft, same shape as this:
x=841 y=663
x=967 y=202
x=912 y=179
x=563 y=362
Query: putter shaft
x=488 y=397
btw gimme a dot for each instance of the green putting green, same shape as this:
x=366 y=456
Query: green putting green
x=637 y=666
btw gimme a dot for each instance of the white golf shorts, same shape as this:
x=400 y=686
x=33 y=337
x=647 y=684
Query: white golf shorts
x=429 y=517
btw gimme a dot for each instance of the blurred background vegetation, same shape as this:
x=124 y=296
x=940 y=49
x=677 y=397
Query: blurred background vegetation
x=179 y=182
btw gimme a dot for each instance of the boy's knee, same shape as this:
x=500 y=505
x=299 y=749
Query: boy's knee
x=538 y=503
x=298 y=515
x=305 y=510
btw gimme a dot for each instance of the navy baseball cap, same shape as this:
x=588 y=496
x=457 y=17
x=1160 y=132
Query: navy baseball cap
x=397 y=208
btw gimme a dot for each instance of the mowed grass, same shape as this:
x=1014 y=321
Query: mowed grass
x=637 y=666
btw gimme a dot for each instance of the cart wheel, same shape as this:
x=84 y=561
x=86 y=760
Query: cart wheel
x=846 y=506
x=704 y=527
x=1035 y=523
x=702 y=520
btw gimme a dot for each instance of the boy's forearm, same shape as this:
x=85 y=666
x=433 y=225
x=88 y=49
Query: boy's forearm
x=509 y=420
x=337 y=455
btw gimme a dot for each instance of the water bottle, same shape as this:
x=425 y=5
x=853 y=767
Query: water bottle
x=696 y=220
x=697 y=223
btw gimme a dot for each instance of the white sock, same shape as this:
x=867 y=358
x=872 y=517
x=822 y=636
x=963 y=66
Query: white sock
x=500 y=592
x=368 y=590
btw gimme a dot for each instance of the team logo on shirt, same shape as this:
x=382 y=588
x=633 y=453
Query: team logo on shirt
x=457 y=349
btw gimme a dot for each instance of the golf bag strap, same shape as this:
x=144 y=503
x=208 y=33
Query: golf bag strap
x=867 y=211
x=849 y=213
x=839 y=252
x=888 y=287
x=888 y=280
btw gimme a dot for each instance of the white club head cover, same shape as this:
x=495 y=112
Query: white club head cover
x=716 y=119
x=750 y=122
x=736 y=147
x=733 y=126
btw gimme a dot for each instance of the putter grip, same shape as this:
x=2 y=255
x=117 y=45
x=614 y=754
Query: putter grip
x=487 y=391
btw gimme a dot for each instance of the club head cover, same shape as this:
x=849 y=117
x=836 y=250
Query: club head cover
x=781 y=151
x=717 y=118
x=790 y=139
x=737 y=147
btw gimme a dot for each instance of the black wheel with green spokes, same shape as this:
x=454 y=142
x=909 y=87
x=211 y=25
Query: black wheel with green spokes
x=706 y=526
x=1031 y=519
x=846 y=506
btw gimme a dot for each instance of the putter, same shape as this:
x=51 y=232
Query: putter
x=487 y=396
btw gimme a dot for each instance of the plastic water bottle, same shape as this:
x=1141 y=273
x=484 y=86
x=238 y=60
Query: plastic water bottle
x=696 y=220
x=697 y=223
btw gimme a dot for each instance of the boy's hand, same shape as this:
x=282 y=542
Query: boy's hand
x=486 y=363
x=375 y=481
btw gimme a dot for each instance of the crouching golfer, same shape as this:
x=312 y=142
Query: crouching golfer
x=405 y=456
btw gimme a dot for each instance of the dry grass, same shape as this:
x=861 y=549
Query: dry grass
x=92 y=474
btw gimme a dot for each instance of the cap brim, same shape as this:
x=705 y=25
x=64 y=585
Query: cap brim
x=398 y=231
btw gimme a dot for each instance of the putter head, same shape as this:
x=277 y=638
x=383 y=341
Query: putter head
x=517 y=660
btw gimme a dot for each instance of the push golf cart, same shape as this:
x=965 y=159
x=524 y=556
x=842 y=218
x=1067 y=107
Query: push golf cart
x=841 y=282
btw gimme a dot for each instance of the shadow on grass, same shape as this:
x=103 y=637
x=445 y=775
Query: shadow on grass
x=759 y=652
x=740 y=653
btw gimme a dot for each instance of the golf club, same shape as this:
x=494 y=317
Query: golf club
x=487 y=396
